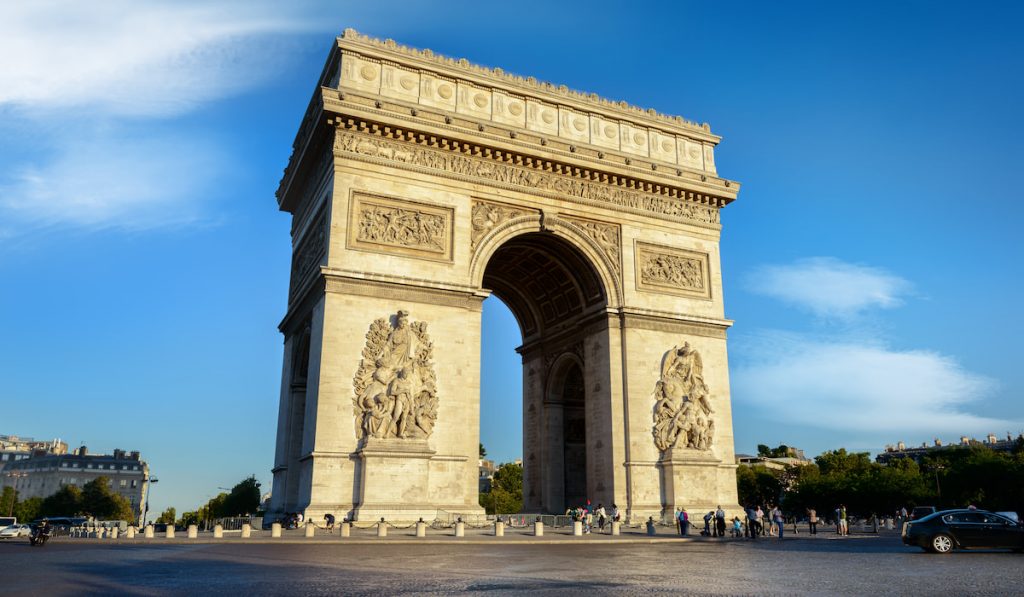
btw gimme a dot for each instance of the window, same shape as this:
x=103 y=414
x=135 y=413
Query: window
x=134 y=483
x=124 y=483
x=124 y=467
x=961 y=517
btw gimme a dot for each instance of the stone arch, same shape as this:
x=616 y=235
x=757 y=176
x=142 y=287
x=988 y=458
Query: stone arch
x=560 y=228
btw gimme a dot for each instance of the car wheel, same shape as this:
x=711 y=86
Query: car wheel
x=942 y=543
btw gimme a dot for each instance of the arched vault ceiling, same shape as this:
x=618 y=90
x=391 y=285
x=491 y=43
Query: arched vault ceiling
x=543 y=280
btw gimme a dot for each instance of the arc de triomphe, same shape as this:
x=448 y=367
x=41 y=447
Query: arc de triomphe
x=418 y=186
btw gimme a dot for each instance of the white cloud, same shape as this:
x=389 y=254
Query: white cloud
x=860 y=389
x=112 y=183
x=136 y=58
x=829 y=287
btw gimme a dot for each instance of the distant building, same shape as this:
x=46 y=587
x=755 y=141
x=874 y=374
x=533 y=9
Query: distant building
x=487 y=469
x=13 y=447
x=793 y=457
x=42 y=475
x=900 y=450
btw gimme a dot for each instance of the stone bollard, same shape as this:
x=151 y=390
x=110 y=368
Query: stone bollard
x=246 y=531
x=149 y=532
x=275 y=529
x=130 y=533
x=169 y=533
x=460 y=529
x=346 y=529
x=193 y=531
x=616 y=527
x=218 y=531
x=538 y=529
x=310 y=529
x=114 y=532
x=577 y=528
x=382 y=528
x=421 y=528
x=499 y=529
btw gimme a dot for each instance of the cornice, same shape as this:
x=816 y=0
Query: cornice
x=463 y=68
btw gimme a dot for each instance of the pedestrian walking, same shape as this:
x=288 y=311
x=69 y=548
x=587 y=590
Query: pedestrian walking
x=737 y=527
x=812 y=520
x=778 y=521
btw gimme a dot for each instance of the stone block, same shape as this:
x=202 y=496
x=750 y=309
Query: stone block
x=218 y=531
x=193 y=531
x=275 y=530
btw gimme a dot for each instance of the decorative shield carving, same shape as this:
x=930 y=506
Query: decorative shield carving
x=395 y=386
x=682 y=413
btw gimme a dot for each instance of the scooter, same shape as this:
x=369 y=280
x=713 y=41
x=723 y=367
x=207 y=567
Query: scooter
x=40 y=535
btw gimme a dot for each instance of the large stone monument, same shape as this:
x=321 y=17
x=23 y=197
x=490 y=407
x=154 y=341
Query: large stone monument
x=418 y=186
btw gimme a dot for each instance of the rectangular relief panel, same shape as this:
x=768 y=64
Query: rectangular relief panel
x=672 y=270
x=388 y=225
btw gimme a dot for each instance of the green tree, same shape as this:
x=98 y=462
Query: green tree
x=483 y=451
x=167 y=516
x=28 y=510
x=243 y=499
x=506 y=495
x=188 y=518
x=67 y=501
x=99 y=501
x=7 y=500
x=758 y=485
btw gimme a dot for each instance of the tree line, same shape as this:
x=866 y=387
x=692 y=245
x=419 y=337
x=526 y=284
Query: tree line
x=95 y=499
x=242 y=500
x=949 y=478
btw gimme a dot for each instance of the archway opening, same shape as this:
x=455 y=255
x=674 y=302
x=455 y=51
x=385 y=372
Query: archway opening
x=552 y=291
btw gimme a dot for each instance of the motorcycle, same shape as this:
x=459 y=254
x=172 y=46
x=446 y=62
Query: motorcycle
x=40 y=535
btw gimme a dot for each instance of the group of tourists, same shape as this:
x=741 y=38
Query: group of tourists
x=588 y=515
x=292 y=520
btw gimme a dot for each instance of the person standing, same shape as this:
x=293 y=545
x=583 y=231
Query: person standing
x=329 y=522
x=812 y=520
x=679 y=521
x=602 y=517
x=720 y=521
x=759 y=518
x=707 y=523
x=844 y=520
x=686 y=521
x=778 y=521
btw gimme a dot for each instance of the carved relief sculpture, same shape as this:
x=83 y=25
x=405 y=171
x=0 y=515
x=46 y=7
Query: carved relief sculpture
x=682 y=413
x=672 y=270
x=605 y=235
x=397 y=226
x=486 y=216
x=395 y=386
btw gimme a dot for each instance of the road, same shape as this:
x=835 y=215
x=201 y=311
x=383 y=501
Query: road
x=801 y=566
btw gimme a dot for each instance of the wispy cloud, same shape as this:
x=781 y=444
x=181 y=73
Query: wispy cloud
x=135 y=58
x=124 y=183
x=116 y=75
x=829 y=287
x=858 y=389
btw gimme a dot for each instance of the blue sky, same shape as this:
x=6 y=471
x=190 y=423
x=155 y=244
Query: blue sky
x=872 y=261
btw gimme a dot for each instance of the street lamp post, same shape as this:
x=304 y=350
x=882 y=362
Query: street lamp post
x=145 y=511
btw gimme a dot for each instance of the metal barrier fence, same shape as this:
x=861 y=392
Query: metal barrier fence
x=235 y=523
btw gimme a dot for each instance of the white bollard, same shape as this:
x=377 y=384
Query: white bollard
x=114 y=533
x=275 y=529
x=346 y=529
x=421 y=528
x=382 y=528
x=538 y=529
x=169 y=533
x=218 y=531
x=577 y=528
x=460 y=529
x=149 y=532
x=499 y=529
x=310 y=529
x=616 y=527
x=130 y=533
x=246 y=531
x=193 y=531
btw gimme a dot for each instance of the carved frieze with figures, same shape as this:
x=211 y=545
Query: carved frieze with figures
x=607 y=236
x=395 y=386
x=672 y=270
x=389 y=225
x=682 y=413
x=487 y=216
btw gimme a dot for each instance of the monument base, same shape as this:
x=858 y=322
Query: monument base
x=698 y=481
x=396 y=483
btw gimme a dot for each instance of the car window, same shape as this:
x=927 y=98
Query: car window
x=964 y=517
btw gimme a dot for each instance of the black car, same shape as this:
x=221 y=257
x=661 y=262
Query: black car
x=945 y=531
